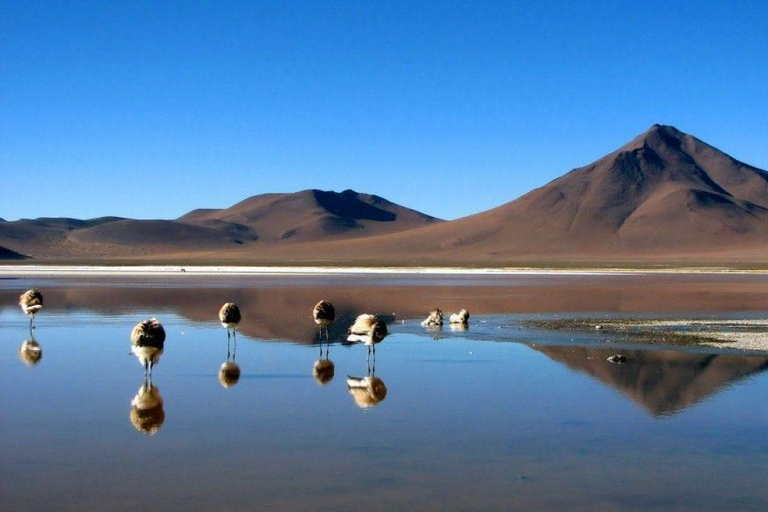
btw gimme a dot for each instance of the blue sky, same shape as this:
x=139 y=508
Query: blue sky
x=150 y=109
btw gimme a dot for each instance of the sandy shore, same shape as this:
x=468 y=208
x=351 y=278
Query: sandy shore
x=64 y=270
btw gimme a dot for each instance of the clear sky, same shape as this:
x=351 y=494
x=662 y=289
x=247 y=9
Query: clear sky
x=149 y=109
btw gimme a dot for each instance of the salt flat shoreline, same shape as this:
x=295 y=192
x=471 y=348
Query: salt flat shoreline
x=745 y=335
x=175 y=270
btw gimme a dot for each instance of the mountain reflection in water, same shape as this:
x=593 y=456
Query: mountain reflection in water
x=494 y=417
x=664 y=382
x=279 y=308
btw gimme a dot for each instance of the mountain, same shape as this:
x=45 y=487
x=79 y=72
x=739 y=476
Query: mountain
x=262 y=221
x=664 y=196
x=665 y=190
x=312 y=215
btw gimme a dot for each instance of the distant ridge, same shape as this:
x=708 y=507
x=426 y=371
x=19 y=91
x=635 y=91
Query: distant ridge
x=312 y=215
x=263 y=221
x=665 y=197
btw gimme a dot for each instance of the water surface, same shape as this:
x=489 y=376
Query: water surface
x=496 y=417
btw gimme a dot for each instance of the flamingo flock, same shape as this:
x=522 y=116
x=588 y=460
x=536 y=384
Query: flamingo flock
x=148 y=342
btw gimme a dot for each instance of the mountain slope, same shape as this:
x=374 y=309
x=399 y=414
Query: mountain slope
x=313 y=215
x=664 y=197
x=7 y=254
x=263 y=221
x=664 y=194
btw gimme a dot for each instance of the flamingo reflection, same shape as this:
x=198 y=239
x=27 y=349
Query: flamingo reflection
x=30 y=352
x=323 y=370
x=229 y=372
x=369 y=390
x=147 y=414
x=459 y=327
x=366 y=391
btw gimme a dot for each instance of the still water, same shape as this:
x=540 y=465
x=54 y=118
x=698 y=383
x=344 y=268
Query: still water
x=495 y=417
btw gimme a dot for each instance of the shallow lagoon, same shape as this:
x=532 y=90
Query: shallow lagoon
x=495 y=417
